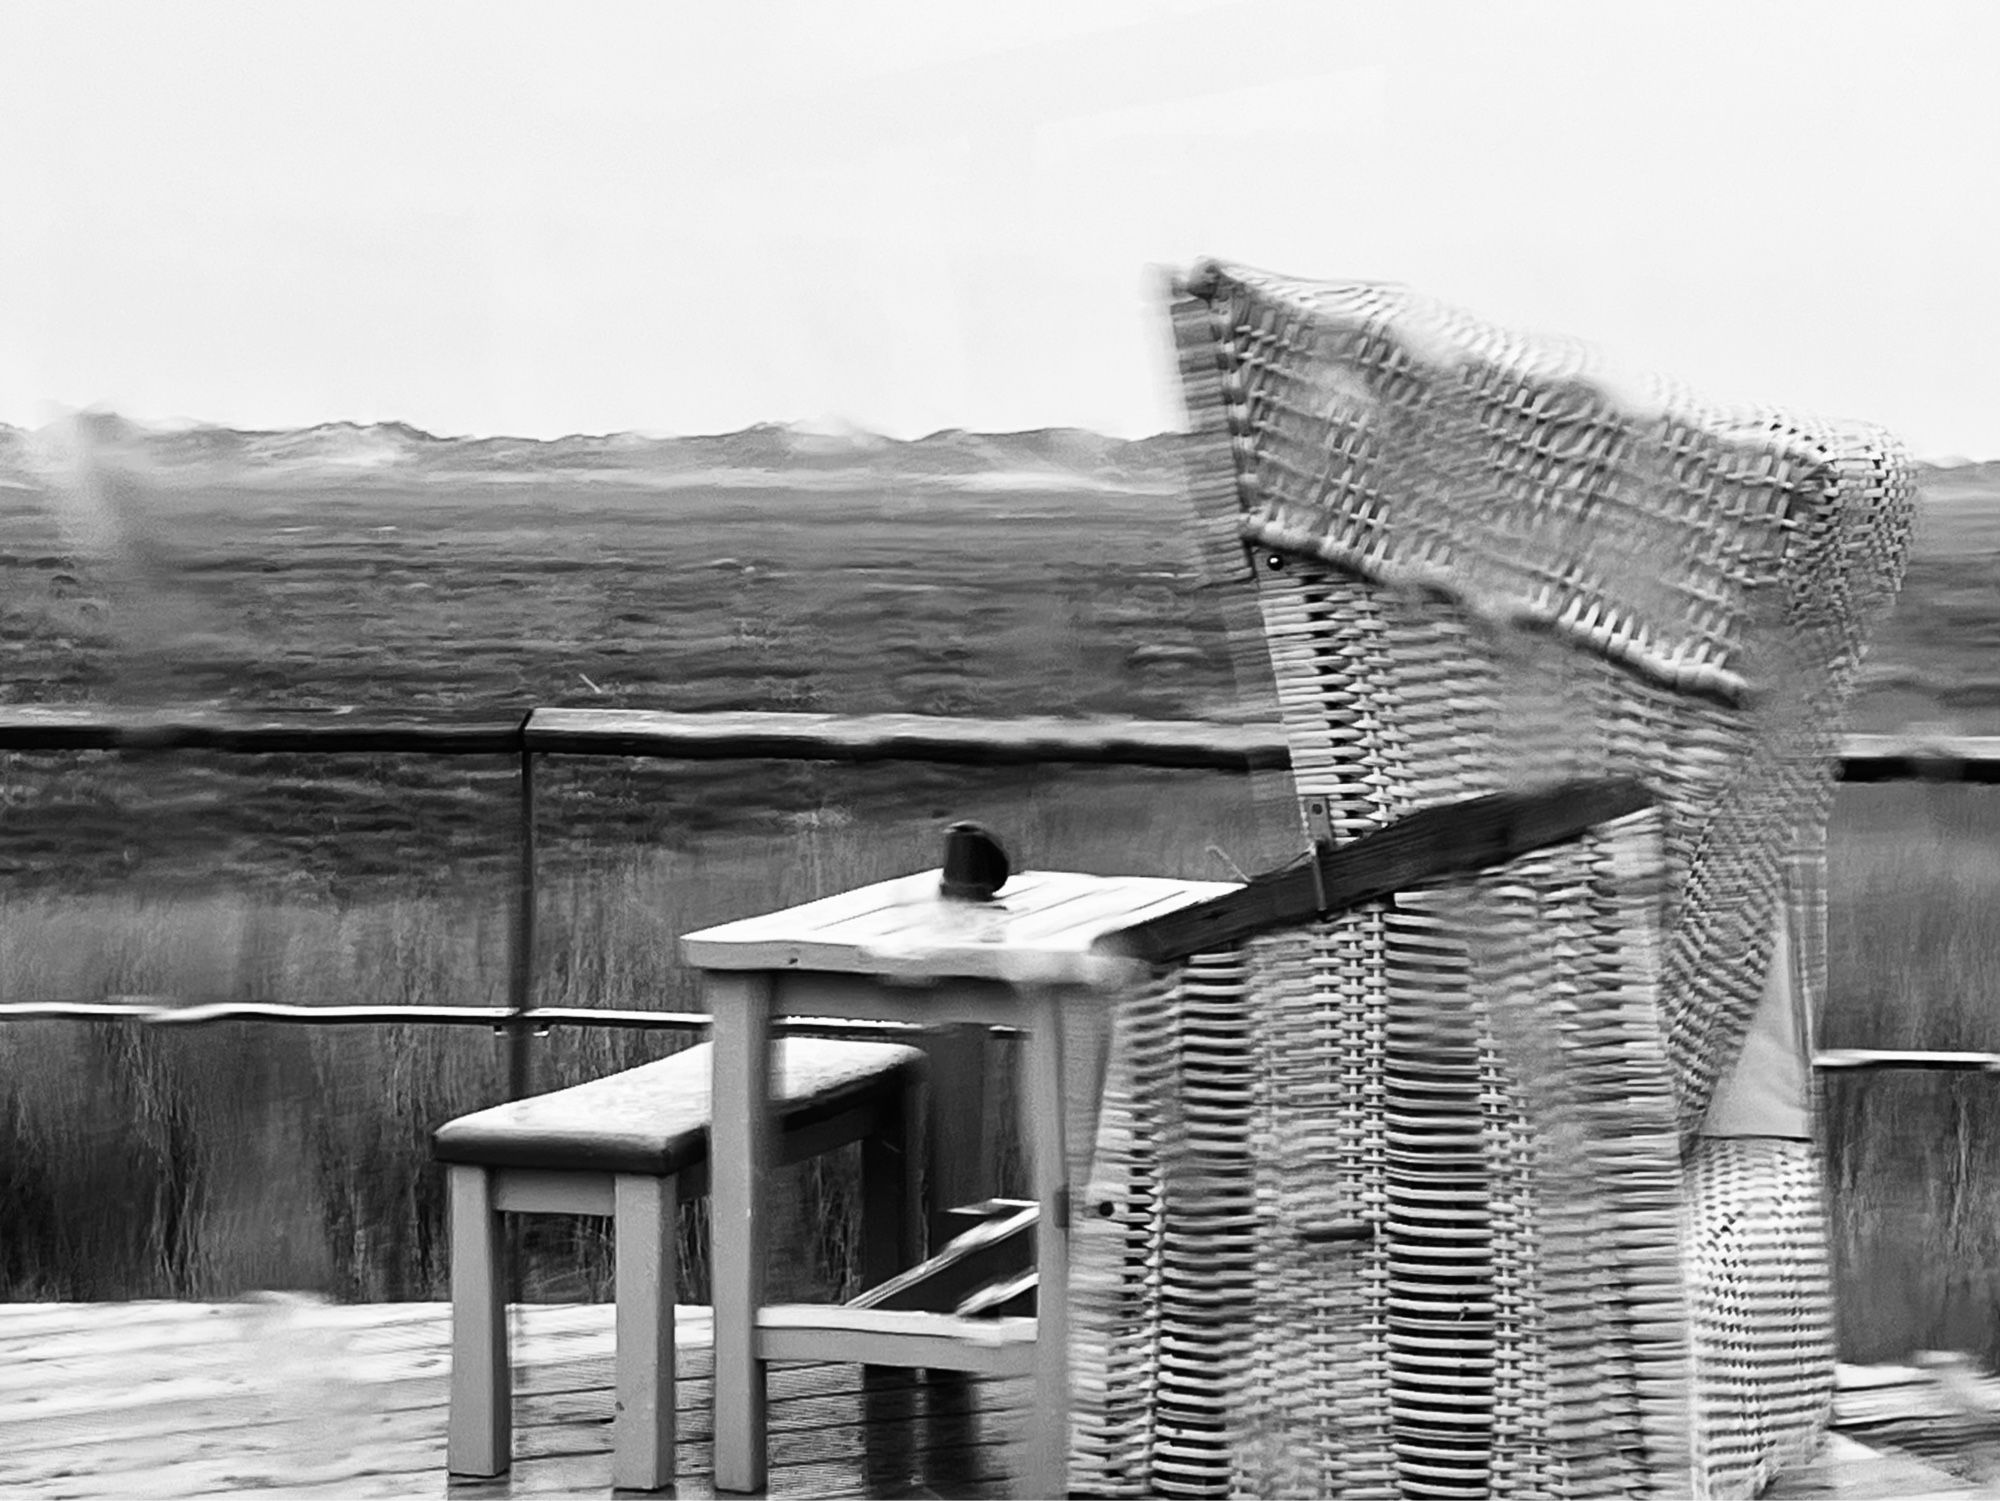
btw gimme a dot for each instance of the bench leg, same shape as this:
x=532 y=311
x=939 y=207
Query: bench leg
x=646 y=1224
x=892 y=1209
x=480 y=1440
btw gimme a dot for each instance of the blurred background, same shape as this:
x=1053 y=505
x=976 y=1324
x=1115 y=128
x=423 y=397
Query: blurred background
x=453 y=360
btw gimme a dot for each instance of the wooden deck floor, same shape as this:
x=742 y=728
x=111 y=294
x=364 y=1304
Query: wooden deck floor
x=300 y=1399
x=287 y=1398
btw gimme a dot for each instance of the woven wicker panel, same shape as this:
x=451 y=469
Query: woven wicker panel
x=1402 y=440
x=1710 y=578
x=1392 y=1207
x=1759 y=1288
x=1479 y=565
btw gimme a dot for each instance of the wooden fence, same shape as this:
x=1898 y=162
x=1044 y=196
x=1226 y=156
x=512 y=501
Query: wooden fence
x=751 y=736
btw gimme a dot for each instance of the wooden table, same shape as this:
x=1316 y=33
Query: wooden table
x=899 y=951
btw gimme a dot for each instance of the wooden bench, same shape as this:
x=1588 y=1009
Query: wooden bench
x=629 y=1146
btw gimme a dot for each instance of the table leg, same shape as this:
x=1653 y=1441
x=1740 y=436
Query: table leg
x=739 y=1161
x=1043 y=1115
x=1089 y=1021
x=961 y=1158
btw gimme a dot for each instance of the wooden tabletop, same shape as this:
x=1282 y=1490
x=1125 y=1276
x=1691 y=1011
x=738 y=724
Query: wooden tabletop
x=1038 y=928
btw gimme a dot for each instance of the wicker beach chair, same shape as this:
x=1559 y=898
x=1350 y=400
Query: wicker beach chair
x=1507 y=1186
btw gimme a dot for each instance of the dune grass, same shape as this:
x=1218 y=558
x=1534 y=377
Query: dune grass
x=1914 y=954
x=209 y=1162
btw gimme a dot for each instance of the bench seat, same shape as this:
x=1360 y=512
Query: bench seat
x=631 y=1146
x=654 y=1119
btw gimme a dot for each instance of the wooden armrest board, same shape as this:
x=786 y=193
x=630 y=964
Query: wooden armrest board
x=1430 y=845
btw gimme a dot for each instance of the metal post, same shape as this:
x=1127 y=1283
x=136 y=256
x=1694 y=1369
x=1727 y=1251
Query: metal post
x=520 y=996
x=521 y=956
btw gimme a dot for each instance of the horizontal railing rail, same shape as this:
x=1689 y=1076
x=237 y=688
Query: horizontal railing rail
x=178 y=1011
x=329 y=731
x=1183 y=744
x=1878 y=1060
x=168 y=1011
x=1190 y=745
x=1166 y=744
x=1911 y=758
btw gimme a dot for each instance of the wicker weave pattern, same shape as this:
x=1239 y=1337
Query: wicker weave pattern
x=1758 y=1288
x=1709 y=578
x=1507 y=1324
x=1478 y=565
x=1399 y=439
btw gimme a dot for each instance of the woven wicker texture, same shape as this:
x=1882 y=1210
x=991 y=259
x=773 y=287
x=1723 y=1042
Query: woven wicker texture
x=1374 y=1218
x=1396 y=1205
x=1759 y=1289
x=1715 y=575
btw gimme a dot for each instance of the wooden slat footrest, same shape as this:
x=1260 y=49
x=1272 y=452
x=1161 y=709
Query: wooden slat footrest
x=896 y=1337
x=988 y=1209
x=1007 y=1297
x=998 y=1247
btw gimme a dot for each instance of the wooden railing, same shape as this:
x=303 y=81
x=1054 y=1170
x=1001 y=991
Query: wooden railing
x=1186 y=745
x=674 y=737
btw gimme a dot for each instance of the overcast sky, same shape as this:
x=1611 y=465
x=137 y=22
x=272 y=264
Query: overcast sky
x=673 y=218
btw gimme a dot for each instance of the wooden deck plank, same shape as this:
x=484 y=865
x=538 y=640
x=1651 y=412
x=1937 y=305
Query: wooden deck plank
x=1851 y=1470
x=299 y=1400
x=840 y=1429
x=835 y=1423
